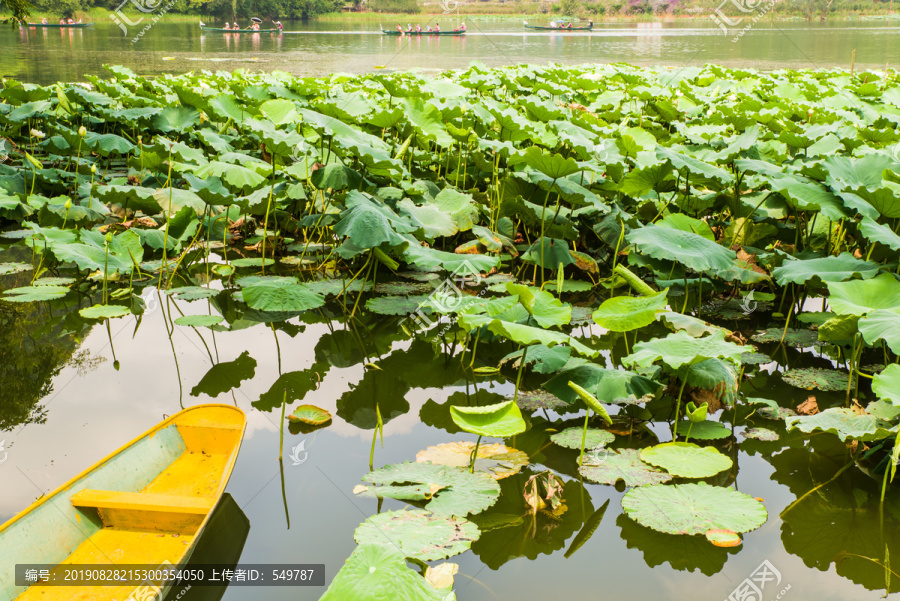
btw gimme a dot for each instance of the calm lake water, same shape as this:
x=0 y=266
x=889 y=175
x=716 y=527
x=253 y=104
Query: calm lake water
x=323 y=47
x=102 y=386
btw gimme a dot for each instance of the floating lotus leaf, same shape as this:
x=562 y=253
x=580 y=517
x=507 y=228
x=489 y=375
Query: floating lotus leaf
x=32 y=294
x=611 y=465
x=693 y=508
x=497 y=421
x=447 y=490
x=816 y=378
x=7 y=268
x=311 y=415
x=693 y=326
x=723 y=538
x=532 y=400
x=858 y=297
x=419 y=533
x=627 y=313
x=199 y=321
x=281 y=295
x=763 y=434
x=190 y=293
x=617 y=386
x=104 y=311
x=887 y=384
x=404 y=288
x=398 y=305
x=375 y=572
x=686 y=460
x=252 y=262
x=705 y=430
x=581 y=315
x=755 y=358
x=53 y=282
x=571 y=438
x=496 y=460
x=846 y=423
x=798 y=338
x=680 y=349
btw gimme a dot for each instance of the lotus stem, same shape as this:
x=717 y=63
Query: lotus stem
x=678 y=405
x=587 y=416
x=474 y=455
x=281 y=441
x=519 y=375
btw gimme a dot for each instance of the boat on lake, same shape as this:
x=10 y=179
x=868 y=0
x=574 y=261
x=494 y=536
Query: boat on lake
x=396 y=32
x=240 y=30
x=58 y=25
x=589 y=27
x=145 y=504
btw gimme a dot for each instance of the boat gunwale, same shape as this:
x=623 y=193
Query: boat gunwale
x=228 y=468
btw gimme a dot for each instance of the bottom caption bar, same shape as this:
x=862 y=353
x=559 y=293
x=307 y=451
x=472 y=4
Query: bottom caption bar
x=255 y=574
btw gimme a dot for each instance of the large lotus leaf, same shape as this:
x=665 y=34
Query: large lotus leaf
x=840 y=327
x=876 y=232
x=626 y=313
x=694 y=166
x=810 y=196
x=887 y=384
x=608 y=466
x=714 y=375
x=335 y=176
x=705 y=430
x=692 y=250
x=845 y=423
x=546 y=360
x=826 y=269
x=434 y=222
x=523 y=334
x=461 y=207
x=814 y=378
x=368 y=223
x=608 y=385
x=337 y=128
x=680 y=221
x=693 y=326
x=124 y=252
x=546 y=309
x=279 y=110
x=238 y=177
x=497 y=421
x=7 y=268
x=885 y=199
x=881 y=325
x=593 y=438
x=176 y=118
x=680 y=349
x=427 y=118
x=686 y=460
x=172 y=200
x=447 y=490
x=32 y=294
x=549 y=253
x=533 y=400
x=226 y=376
x=280 y=295
x=108 y=144
x=377 y=572
x=643 y=180
x=132 y=197
x=553 y=165
x=429 y=258
x=792 y=336
x=419 y=533
x=496 y=460
x=851 y=173
x=860 y=297
x=693 y=508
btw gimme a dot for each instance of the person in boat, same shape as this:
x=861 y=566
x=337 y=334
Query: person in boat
x=418 y=28
x=227 y=26
x=44 y=21
x=279 y=26
x=71 y=21
x=399 y=28
x=409 y=28
x=429 y=29
x=569 y=26
x=437 y=28
x=236 y=26
x=462 y=27
x=62 y=21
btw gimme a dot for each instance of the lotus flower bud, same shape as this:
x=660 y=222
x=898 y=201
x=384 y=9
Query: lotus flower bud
x=108 y=237
x=93 y=168
x=82 y=131
x=732 y=97
x=68 y=204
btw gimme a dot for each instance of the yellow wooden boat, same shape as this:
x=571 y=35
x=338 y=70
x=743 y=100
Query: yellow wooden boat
x=145 y=504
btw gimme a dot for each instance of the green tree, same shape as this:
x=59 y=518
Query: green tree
x=19 y=9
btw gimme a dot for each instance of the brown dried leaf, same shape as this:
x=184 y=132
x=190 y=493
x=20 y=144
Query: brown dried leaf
x=808 y=407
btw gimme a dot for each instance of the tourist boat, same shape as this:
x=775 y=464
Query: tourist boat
x=58 y=25
x=396 y=32
x=145 y=504
x=589 y=27
x=240 y=30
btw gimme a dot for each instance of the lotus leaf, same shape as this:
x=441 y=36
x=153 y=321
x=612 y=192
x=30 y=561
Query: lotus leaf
x=686 y=460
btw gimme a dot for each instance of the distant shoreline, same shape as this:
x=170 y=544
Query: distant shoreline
x=482 y=12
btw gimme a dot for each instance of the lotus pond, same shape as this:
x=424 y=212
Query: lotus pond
x=499 y=332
